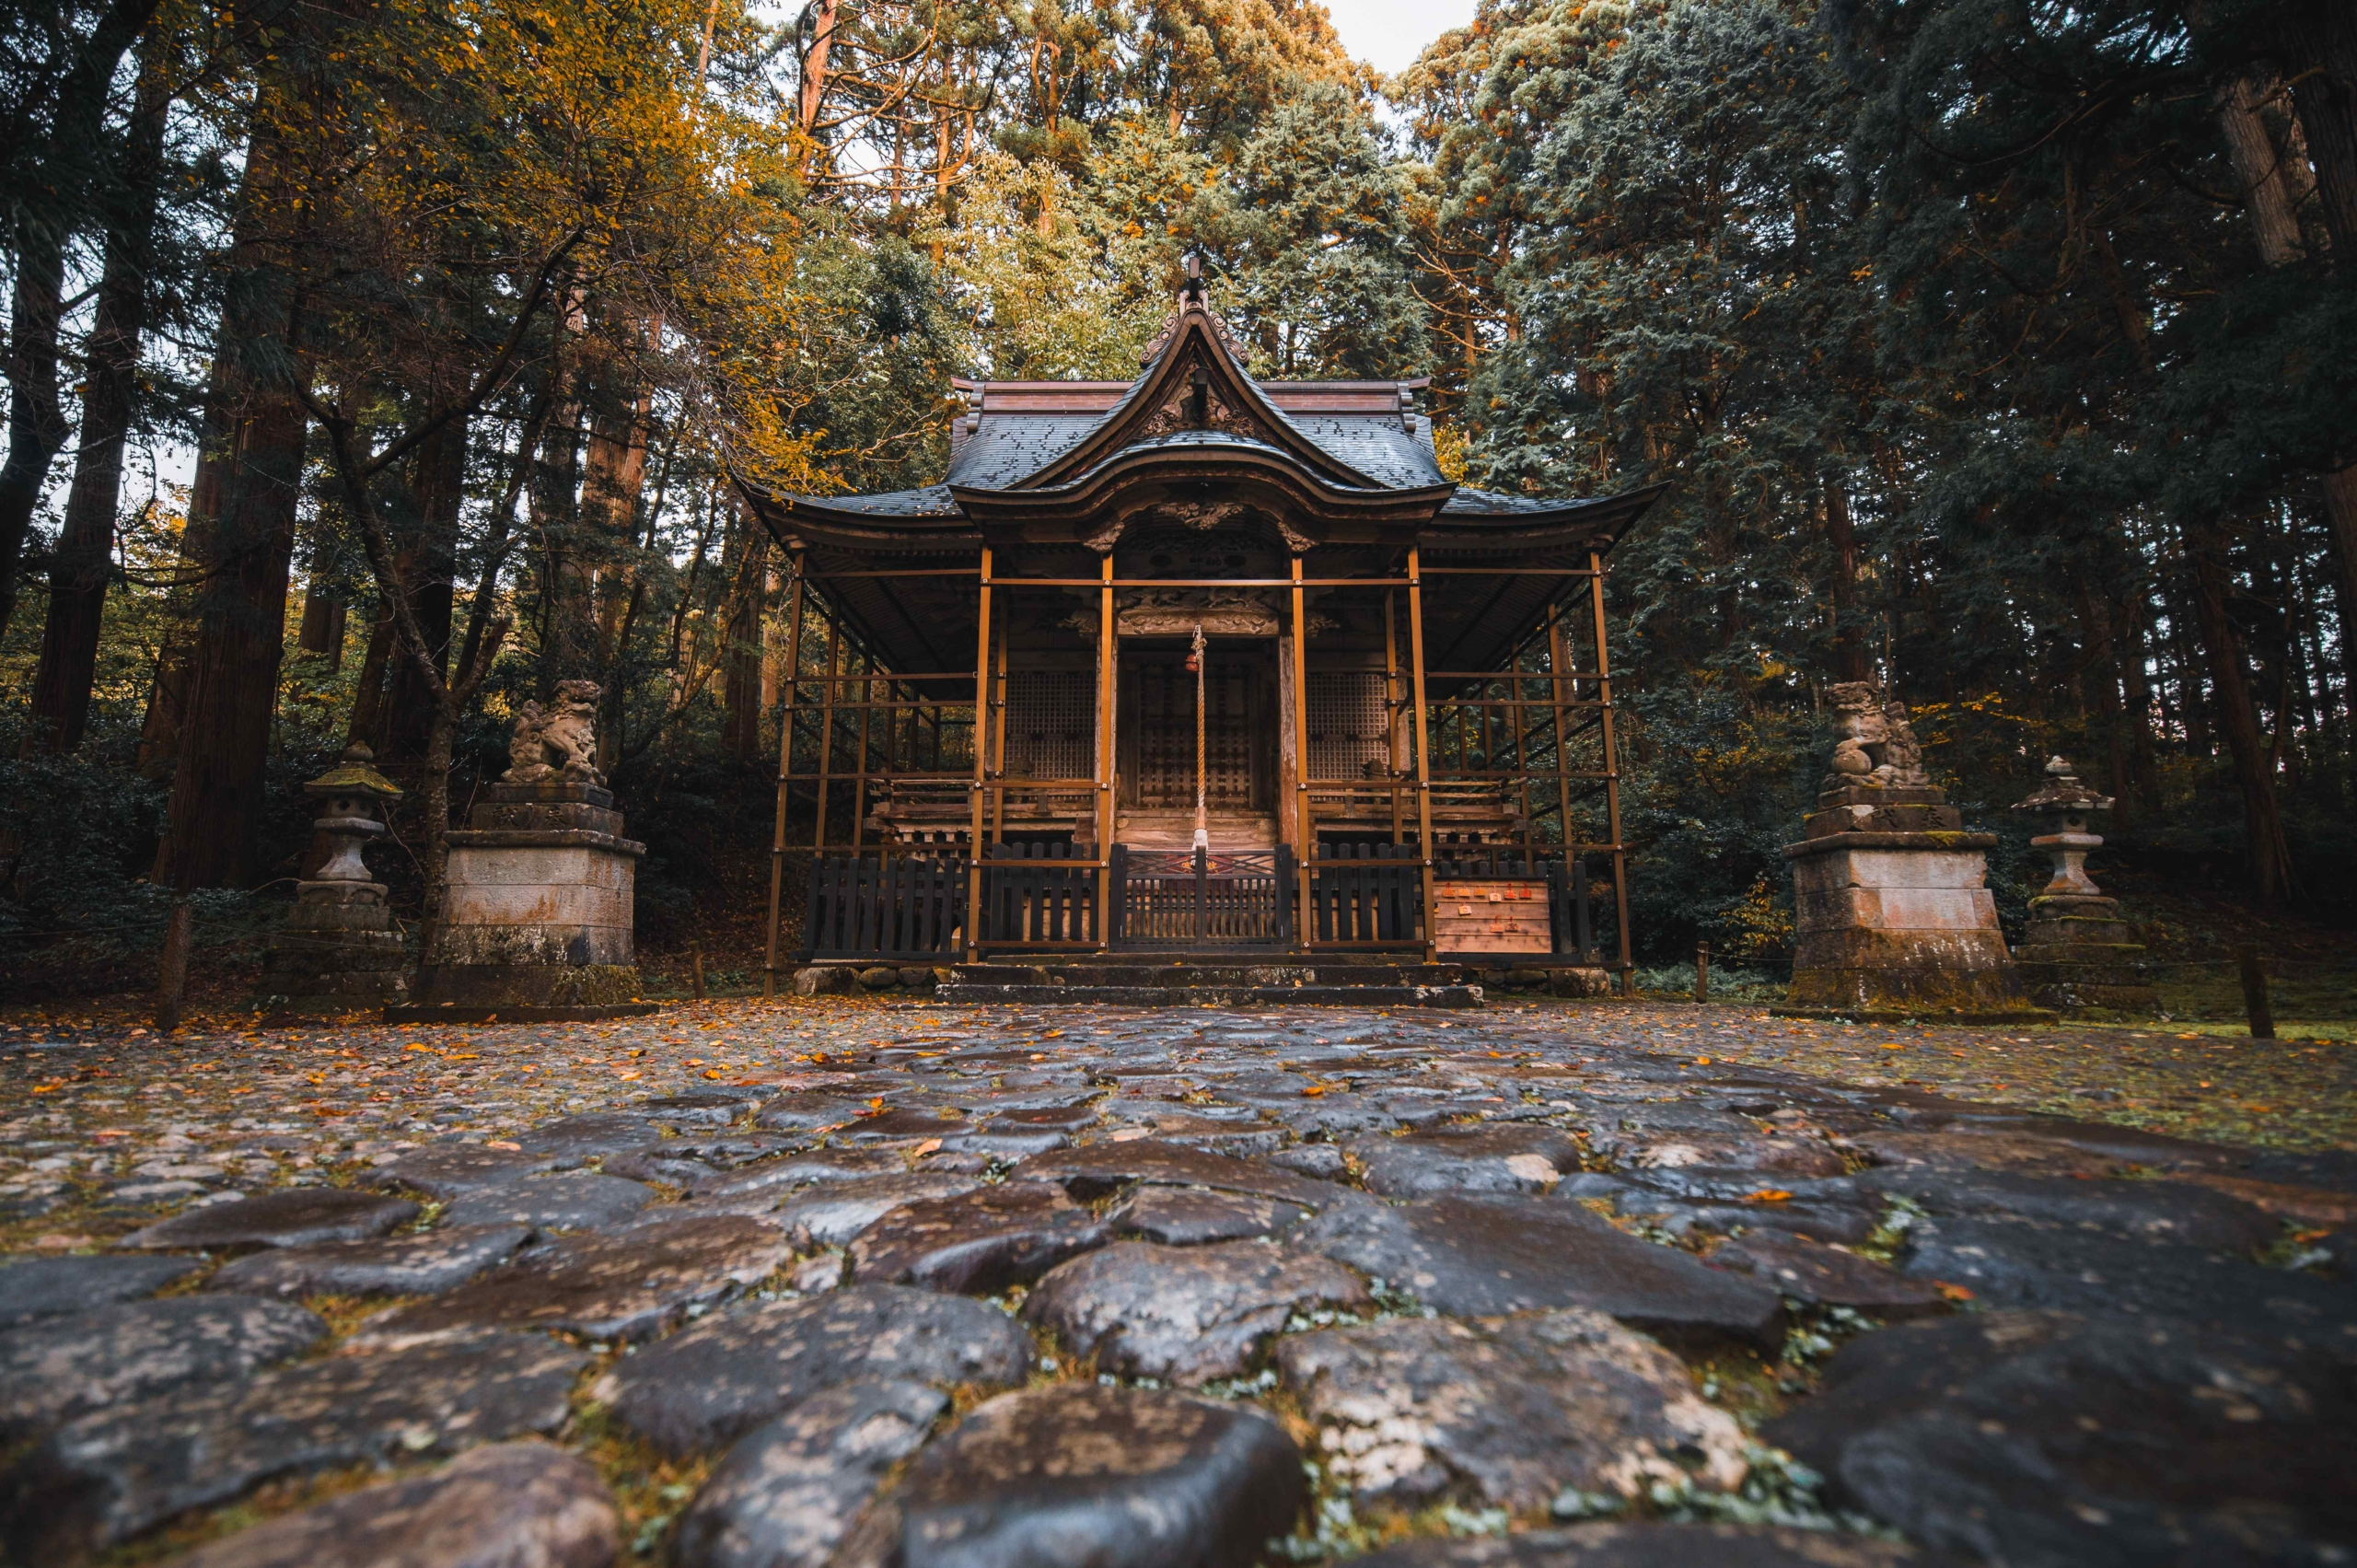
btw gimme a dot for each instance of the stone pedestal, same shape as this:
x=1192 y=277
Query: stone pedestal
x=339 y=951
x=1893 y=915
x=2078 y=955
x=538 y=912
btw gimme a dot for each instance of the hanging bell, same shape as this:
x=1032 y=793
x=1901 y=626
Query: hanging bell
x=1194 y=664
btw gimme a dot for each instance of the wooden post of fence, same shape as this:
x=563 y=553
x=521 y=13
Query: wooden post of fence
x=1702 y=971
x=2254 y=1002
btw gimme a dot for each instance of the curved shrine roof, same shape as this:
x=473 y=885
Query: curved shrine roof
x=1057 y=466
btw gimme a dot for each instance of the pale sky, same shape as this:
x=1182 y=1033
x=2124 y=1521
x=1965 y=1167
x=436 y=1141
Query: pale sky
x=1389 y=34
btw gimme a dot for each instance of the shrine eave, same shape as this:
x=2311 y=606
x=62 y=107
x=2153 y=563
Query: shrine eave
x=958 y=520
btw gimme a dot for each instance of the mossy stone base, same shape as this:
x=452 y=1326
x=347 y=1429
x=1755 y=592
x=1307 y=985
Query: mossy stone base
x=509 y=986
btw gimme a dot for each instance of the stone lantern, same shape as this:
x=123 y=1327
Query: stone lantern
x=339 y=951
x=2077 y=953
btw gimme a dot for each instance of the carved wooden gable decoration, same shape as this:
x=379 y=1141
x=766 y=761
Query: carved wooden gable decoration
x=1195 y=383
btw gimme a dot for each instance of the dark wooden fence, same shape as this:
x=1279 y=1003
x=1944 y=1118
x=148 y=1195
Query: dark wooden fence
x=1196 y=898
x=1043 y=897
x=885 y=906
x=1026 y=905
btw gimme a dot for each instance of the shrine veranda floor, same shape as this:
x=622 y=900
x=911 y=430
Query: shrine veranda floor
x=1249 y=1224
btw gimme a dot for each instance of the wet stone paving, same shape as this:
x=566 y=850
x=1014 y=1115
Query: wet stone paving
x=837 y=1281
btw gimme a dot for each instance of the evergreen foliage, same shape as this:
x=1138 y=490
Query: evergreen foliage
x=2005 y=351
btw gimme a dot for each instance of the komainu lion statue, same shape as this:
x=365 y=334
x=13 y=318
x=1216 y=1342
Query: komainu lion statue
x=561 y=743
x=1878 y=746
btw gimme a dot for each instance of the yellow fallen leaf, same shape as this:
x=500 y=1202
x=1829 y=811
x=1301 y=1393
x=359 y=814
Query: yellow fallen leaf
x=929 y=1147
x=1767 y=1195
x=1701 y=1062
x=626 y=1077
x=503 y=1144
x=713 y=1073
x=1951 y=1293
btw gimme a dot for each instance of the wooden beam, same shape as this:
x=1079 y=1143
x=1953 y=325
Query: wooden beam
x=998 y=747
x=1611 y=777
x=860 y=758
x=1107 y=649
x=1557 y=660
x=785 y=770
x=1423 y=747
x=1307 y=838
x=982 y=762
x=1394 y=705
x=827 y=731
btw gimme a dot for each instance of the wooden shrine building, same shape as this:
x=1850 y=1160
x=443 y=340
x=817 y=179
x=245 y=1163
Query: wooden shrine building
x=1198 y=601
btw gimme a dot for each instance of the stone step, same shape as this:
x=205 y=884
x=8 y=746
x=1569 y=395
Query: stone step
x=1184 y=976
x=1217 y=996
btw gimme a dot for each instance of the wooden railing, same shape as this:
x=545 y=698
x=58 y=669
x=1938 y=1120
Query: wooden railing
x=1196 y=898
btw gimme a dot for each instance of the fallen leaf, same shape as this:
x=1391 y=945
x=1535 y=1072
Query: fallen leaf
x=503 y=1144
x=1767 y=1195
x=1314 y=1090
x=1951 y=1293
x=931 y=1146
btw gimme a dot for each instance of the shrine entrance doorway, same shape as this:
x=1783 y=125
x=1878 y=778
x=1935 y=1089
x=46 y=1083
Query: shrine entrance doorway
x=1155 y=749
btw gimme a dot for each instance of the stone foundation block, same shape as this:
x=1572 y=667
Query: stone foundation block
x=1900 y=924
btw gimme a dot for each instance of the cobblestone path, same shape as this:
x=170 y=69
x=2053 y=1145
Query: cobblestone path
x=857 y=1282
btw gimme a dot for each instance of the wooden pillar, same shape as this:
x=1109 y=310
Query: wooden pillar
x=1305 y=839
x=1423 y=747
x=827 y=730
x=981 y=763
x=1107 y=647
x=860 y=758
x=1611 y=770
x=998 y=747
x=1558 y=671
x=784 y=770
x=1394 y=706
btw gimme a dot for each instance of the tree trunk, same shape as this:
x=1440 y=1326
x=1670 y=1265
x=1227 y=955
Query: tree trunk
x=50 y=209
x=814 y=65
x=2136 y=699
x=210 y=831
x=2269 y=200
x=741 y=682
x=2318 y=43
x=255 y=439
x=77 y=576
x=367 y=725
x=325 y=607
x=2237 y=720
x=566 y=615
x=36 y=423
x=1849 y=648
x=439 y=484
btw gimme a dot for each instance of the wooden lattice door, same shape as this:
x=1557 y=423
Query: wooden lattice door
x=1162 y=694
